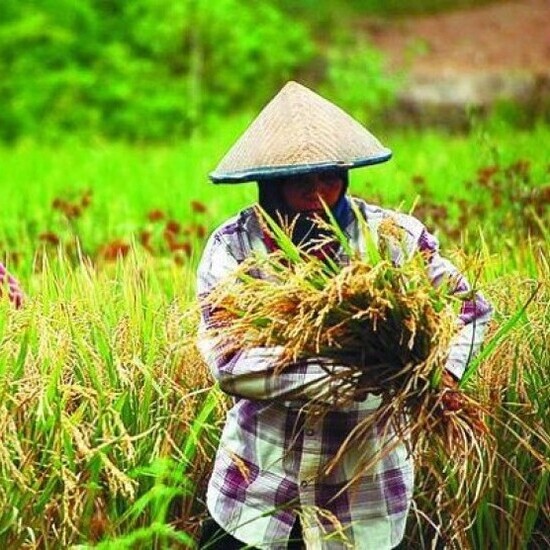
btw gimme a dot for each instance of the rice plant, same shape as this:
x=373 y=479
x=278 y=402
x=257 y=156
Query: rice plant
x=101 y=388
x=513 y=508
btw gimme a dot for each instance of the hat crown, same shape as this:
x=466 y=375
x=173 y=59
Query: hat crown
x=298 y=131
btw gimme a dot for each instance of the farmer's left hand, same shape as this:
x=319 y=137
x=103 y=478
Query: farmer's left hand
x=451 y=398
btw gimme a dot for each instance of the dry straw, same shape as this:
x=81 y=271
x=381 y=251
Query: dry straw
x=385 y=321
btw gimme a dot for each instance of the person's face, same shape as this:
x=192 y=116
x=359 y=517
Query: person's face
x=308 y=192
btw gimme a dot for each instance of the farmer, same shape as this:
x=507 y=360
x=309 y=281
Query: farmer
x=269 y=474
x=9 y=283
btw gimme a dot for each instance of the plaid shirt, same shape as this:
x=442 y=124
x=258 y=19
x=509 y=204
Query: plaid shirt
x=15 y=293
x=272 y=458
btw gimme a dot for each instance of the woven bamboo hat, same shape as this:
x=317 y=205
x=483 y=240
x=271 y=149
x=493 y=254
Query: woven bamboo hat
x=298 y=131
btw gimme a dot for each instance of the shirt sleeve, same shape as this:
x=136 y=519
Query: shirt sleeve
x=15 y=294
x=255 y=373
x=474 y=315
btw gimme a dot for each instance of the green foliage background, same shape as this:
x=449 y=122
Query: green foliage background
x=141 y=69
x=154 y=70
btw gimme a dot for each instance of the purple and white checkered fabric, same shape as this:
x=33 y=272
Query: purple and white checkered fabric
x=9 y=283
x=272 y=457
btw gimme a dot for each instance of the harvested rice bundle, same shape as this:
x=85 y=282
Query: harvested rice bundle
x=376 y=312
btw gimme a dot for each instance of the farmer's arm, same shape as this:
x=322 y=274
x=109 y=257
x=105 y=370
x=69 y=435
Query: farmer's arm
x=8 y=282
x=253 y=373
x=475 y=312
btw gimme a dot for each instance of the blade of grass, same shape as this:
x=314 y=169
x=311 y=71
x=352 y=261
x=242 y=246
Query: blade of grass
x=498 y=337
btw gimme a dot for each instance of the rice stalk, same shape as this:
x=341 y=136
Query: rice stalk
x=99 y=377
x=513 y=510
x=384 y=320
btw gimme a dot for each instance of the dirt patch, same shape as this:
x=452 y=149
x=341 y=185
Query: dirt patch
x=476 y=57
x=502 y=37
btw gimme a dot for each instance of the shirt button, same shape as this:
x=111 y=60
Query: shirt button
x=309 y=431
x=304 y=483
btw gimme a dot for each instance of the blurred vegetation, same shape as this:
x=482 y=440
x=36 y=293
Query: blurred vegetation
x=96 y=199
x=385 y=8
x=142 y=69
x=153 y=70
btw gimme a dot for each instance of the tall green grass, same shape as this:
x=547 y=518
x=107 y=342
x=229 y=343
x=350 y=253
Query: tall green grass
x=127 y=181
x=101 y=386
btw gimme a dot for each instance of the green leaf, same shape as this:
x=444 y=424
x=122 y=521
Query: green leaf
x=371 y=247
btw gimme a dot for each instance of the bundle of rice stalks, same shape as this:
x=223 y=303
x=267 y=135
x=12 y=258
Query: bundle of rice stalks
x=374 y=311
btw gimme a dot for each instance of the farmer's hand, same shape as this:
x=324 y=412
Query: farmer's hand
x=451 y=398
x=453 y=401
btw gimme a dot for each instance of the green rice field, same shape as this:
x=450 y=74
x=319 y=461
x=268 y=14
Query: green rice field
x=108 y=416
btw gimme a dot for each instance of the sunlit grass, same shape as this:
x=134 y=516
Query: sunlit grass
x=129 y=181
x=101 y=382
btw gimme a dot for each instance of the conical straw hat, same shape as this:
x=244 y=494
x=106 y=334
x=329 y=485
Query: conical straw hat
x=298 y=131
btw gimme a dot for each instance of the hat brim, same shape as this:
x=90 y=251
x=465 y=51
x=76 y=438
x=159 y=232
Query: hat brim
x=270 y=172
